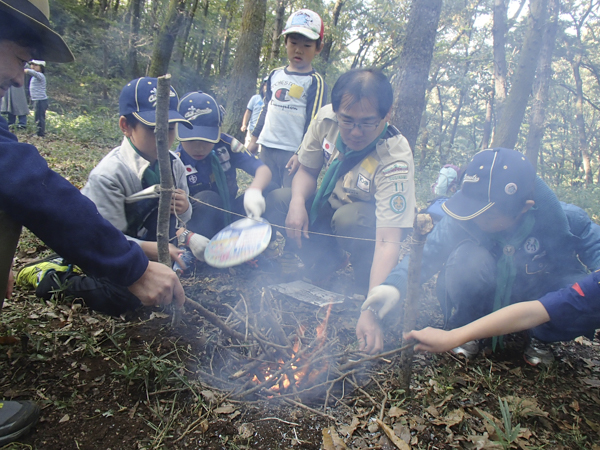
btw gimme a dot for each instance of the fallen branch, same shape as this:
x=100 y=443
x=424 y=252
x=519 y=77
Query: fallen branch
x=352 y=364
x=214 y=319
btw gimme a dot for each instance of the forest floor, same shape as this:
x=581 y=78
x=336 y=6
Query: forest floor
x=134 y=382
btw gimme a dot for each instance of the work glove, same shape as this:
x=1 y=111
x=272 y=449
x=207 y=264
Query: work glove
x=197 y=244
x=381 y=299
x=254 y=203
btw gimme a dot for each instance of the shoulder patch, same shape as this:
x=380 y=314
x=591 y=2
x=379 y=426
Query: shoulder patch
x=398 y=203
x=397 y=168
x=369 y=164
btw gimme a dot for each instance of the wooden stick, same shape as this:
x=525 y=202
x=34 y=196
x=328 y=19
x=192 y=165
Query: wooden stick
x=352 y=364
x=423 y=225
x=214 y=319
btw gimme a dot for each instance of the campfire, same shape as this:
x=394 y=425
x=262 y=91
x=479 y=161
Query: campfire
x=302 y=353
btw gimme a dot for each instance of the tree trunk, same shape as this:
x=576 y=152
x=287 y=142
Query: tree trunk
x=487 y=125
x=413 y=67
x=544 y=75
x=579 y=119
x=134 y=29
x=499 y=35
x=163 y=48
x=507 y=130
x=328 y=44
x=277 y=29
x=184 y=36
x=244 y=73
x=202 y=35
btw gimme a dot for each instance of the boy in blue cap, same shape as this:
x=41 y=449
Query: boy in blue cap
x=211 y=159
x=506 y=239
x=123 y=187
x=295 y=94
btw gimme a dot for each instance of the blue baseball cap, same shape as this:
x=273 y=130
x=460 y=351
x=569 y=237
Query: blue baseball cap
x=498 y=176
x=204 y=114
x=138 y=97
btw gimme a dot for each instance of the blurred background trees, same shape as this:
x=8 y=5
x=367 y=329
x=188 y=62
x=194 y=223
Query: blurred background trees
x=518 y=73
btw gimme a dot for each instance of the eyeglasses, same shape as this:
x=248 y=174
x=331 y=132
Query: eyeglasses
x=349 y=125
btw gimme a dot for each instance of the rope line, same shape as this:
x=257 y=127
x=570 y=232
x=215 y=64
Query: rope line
x=408 y=241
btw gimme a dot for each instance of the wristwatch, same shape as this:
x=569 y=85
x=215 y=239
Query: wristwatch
x=184 y=237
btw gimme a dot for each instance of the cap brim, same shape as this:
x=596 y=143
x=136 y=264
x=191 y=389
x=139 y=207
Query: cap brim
x=199 y=133
x=303 y=31
x=149 y=118
x=54 y=48
x=461 y=207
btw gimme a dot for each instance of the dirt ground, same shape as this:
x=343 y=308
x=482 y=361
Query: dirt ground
x=136 y=383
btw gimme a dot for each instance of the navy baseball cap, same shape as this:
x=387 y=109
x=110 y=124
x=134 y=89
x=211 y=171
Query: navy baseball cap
x=497 y=176
x=204 y=114
x=138 y=97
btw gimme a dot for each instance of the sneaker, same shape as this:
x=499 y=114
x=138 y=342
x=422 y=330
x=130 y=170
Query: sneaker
x=469 y=349
x=537 y=353
x=16 y=419
x=31 y=276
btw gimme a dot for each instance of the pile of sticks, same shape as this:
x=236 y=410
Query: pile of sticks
x=277 y=351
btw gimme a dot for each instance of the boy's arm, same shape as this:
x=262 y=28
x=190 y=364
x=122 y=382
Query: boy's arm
x=245 y=120
x=315 y=99
x=262 y=178
x=180 y=180
x=40 y=76
x=513 y=318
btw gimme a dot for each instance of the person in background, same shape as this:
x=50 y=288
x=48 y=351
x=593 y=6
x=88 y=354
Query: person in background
x=443 y=188
x=37 y=92
x=14 y=105
x=253 y=111
x=34 y=196
x=295 y=94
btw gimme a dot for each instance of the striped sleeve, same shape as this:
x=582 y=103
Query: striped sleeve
x=316 y=98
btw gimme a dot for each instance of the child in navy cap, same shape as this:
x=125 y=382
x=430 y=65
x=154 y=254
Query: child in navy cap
x=506 y=239
x=124 y=187
x=211 y=159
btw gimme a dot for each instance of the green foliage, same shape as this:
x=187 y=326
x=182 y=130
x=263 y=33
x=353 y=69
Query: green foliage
x=509 y=433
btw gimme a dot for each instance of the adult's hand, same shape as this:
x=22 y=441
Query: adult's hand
x=159 y=285
x=433 y=340
x=369 y=333
x=382 y=299
x=297 y=222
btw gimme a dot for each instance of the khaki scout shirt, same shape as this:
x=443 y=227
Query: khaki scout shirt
x=385 y=177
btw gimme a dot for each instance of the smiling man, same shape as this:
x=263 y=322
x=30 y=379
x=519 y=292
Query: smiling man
x=367 y=191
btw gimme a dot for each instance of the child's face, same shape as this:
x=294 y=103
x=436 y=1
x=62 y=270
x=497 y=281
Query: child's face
x=36 y=67
x=144 y=139
x=301 y=51
x=495 y=221
x=197 y=149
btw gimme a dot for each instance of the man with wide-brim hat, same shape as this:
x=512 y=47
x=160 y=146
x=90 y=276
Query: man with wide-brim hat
x=34 y=196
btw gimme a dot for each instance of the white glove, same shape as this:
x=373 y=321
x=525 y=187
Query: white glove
x=197 y=244
x=254 y=203
x=381 y=299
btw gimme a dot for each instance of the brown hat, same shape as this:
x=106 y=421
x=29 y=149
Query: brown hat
x=35 y=14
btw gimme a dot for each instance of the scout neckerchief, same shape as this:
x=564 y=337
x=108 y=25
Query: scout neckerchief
x=221 y=181
x=339 y=167
x=506 y=269
x=151 y=175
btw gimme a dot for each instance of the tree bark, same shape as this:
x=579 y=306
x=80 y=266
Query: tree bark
x=544 y=75
x=202 y=36
x=507 y=130
x=134 y=30
x=413 y=67
x=580 y=120
x=184 y=36
x=487 y=125
x=163 y=48
x=328 y=44
x=244 y=73
x=499 y=47
x=277 y=29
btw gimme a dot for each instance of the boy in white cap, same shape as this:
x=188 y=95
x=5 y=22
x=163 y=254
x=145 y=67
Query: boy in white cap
x=37 y=91
x=34 y=196
x=295 y=94
x=211 y=159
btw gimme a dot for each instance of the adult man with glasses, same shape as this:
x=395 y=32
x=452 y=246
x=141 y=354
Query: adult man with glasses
x=367 y=192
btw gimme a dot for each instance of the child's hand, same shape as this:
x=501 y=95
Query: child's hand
x=179 y=202
x=433 y=340
x=293 y=164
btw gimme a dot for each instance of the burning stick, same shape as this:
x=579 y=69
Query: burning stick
x=214 y=319
x=423 y=225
